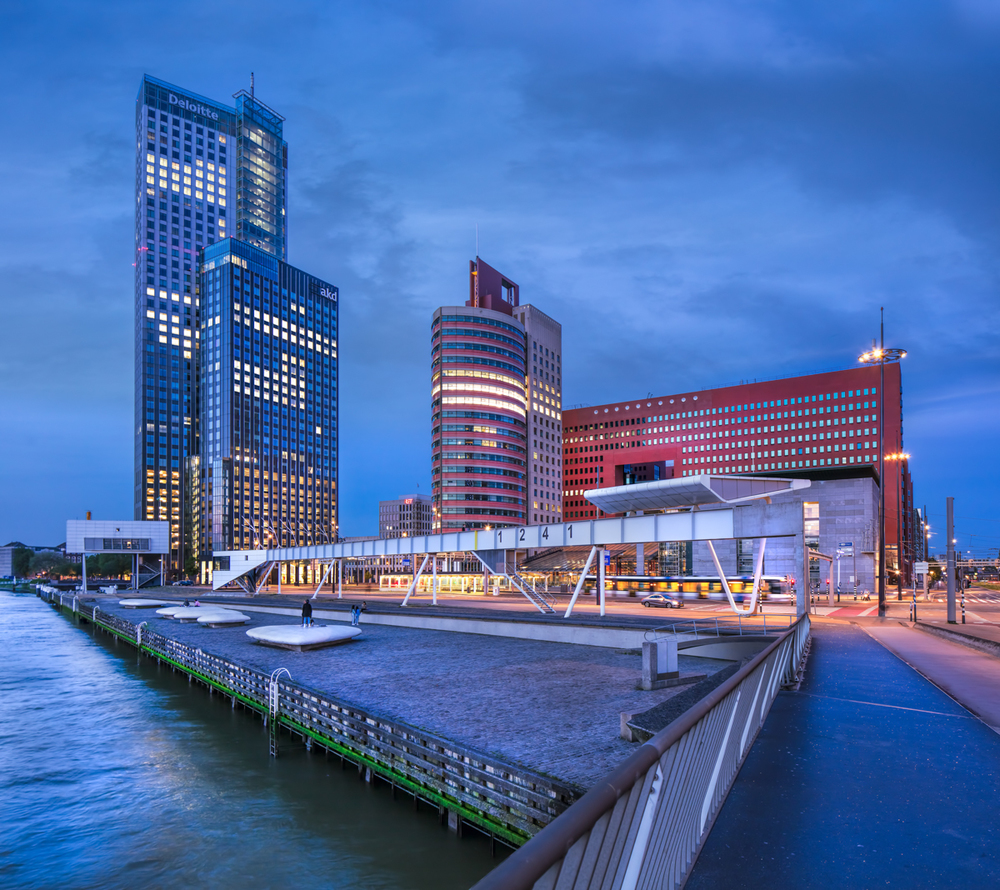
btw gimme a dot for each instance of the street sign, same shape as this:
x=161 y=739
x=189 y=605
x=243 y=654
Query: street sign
x=846 y=544
x=921 y=568
x=406 y=562
x=607 y=558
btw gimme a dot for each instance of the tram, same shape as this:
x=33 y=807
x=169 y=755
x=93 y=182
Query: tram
x=773 y=588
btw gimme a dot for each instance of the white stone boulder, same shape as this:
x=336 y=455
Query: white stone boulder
x=190 y=614
x=300 y=639
x=223 y=618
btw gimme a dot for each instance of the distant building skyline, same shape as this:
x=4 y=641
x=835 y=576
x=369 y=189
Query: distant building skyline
x=406 y=516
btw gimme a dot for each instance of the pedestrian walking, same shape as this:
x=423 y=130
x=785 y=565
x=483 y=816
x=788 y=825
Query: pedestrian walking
x=355 y=615
x=307 y=614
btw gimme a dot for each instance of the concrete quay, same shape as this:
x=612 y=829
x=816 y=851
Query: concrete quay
x=550 y=707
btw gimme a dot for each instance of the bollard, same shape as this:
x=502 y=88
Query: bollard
x=659 y=664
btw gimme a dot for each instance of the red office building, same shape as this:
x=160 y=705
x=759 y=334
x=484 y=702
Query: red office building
x=819 y=426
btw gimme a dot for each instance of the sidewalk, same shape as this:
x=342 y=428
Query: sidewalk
x=989 y=633
x=971 y=678
x=867 y=776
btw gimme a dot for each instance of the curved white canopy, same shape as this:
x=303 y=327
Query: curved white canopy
x=689 y=491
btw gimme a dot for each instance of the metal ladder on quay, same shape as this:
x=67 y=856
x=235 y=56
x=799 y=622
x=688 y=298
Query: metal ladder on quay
x=273 y=708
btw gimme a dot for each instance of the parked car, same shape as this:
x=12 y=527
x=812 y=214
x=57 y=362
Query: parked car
x=187 y=582
x=663 y=600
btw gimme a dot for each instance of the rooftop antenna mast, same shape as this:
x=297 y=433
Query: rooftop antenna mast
x=477 y=241
x=251 y=84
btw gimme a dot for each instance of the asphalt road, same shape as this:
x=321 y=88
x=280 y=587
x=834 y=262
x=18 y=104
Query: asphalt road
x=982 y=605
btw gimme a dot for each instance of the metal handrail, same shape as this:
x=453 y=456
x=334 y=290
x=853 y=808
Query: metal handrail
x=712 y=627
x=536 y=599
x=542 y=595
x=624 y=832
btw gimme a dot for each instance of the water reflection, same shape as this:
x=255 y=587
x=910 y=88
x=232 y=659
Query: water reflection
x=114 y=772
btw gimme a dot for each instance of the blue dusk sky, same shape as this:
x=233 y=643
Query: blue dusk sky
x=700 y=192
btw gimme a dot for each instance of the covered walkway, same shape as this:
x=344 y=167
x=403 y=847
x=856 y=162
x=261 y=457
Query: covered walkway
x=867 y=776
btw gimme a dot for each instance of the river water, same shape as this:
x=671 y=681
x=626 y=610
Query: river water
x=115 y=772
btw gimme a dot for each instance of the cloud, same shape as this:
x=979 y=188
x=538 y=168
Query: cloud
x=700 y=193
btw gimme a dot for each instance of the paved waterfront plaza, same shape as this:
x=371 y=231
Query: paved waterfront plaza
x=551 y=707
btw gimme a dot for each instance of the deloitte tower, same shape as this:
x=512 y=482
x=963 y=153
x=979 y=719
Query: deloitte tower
x=205 y=173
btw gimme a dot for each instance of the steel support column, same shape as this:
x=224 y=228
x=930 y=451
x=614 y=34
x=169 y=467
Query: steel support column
x=600 y=579
x=416 y=581
x=579 y=584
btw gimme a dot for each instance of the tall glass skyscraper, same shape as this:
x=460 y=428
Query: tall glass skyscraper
x=204 y=171
x=268 y=403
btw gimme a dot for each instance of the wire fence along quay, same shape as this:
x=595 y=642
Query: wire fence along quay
x=643 y=825
x=509 y=803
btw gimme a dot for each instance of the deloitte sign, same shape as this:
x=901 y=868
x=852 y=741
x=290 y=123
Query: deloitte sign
x=194 y=107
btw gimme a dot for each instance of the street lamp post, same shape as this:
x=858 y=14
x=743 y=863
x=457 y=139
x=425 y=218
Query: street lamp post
x=879 y=355
x=898 y=457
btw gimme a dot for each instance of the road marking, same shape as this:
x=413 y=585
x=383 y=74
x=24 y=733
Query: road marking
x=868 y=611
x=876 y=704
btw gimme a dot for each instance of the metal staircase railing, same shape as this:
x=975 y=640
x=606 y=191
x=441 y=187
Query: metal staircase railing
x=542 y=594
x=522 y=586
x=541 y=601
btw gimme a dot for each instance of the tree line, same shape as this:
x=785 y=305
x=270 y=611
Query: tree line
x=28 y=563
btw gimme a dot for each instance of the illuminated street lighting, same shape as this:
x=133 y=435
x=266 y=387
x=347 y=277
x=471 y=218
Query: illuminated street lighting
x=879 y=355
x=899 y=456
